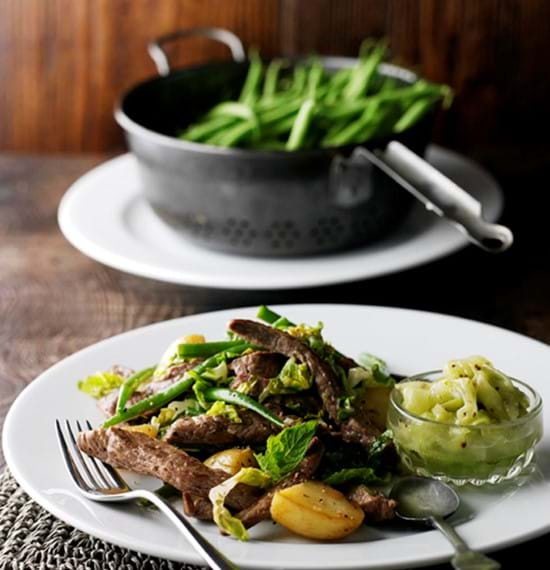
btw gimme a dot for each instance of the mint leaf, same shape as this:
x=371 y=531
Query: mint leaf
x=285 y=451
x=377 y=449
x=365 y=475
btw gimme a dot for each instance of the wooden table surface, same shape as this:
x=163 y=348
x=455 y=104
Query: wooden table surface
x=54 y=301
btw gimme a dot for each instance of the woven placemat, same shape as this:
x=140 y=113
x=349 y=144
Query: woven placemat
x=33 y=539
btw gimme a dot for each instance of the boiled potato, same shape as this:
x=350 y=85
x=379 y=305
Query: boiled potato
x=375 y=403
x=147 y=429
x=194 y=339
x=315 y=510
x=172 y=350
x=231 y=460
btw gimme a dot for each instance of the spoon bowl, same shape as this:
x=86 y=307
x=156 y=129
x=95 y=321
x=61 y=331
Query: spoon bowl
x=430 y=501
x=420 y=498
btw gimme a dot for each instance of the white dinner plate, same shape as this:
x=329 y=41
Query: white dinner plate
x=104 y=215
x=411 y=341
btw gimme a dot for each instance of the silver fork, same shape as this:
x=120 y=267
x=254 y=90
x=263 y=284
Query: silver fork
x=98 y=481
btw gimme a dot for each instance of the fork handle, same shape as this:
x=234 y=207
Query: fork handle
x=215 y=559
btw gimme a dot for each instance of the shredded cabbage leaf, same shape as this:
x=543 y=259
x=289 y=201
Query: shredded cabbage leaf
x=217 y=374
x=222 y=516
x=198 y=389
x=378 y=368
x=294 y=377
x=175 y=409
x=228 y=411
x=100 y=384
x=471 y=391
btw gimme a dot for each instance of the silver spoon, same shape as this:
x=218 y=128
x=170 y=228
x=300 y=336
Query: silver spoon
x=429 y=501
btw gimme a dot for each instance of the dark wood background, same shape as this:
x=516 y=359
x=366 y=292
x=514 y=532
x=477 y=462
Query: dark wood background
x=55 y=301
x=63 y=63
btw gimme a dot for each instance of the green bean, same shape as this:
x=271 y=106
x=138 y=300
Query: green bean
x=238 y=398
x=271 y=78
x=350 y=133
x=130 y=385
x=270 y=144
x=238 y=133
x=282 y=322
x=267 y=315
x=232 y=109
x=314 y=109
x=405 y=95
x=447 y=94
x=201 y=131
x=160 y=399
x=299 y=80
x=414 y=113
x=389 y=84
x=249 y=91
x=281 y=127
x=272 y=318
x=301 y=125
x=345 y=109
x=280 y=112
x=205 y=349
x=315 y=76
x=366 y=47
x=275 y=102
x=339 y=78
x=364 y=73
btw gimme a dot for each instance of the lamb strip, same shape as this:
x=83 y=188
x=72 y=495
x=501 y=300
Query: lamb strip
x=256 y=369
x=260 y=510
x=140 y=453
x=276 y=340
x=377 y=507
x=357 y=429
x=122 y=371
x=174 y=374
x=201 y=508
x=259 y=364
x=219 y=431
x=198 y=507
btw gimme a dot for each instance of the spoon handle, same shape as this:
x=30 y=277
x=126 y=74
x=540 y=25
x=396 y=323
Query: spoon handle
x=464 y=559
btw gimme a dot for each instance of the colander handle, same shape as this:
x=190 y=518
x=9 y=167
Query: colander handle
x=439 y=194
x=160 y=58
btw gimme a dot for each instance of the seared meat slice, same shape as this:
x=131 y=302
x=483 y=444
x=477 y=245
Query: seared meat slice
x=122 y=371
x=357 y=429
x=198 y=507
x=201 y=508
x=377 y=507
x=257 y=385
x=258 y=364
x=143 y=454
x=174 y=374
x=260 y=510
x=256 y=368
x=278 y=341
x=219 y=431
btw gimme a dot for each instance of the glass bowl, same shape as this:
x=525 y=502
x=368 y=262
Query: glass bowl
x=477 y=454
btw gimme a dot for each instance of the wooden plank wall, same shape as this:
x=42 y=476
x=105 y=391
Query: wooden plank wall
x=63 y=63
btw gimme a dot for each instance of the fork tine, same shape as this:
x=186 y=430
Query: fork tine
x=69 y=462
x=84 y=464
x=96 y=464
x=119 y=481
